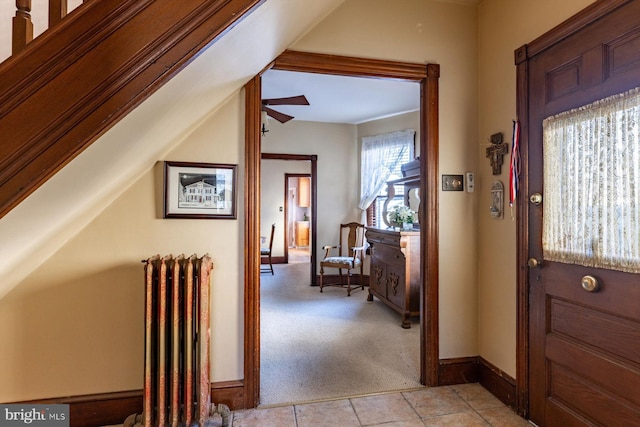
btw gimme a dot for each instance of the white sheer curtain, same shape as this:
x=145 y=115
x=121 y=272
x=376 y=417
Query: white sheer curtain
x=380 y=155
x=591 y=213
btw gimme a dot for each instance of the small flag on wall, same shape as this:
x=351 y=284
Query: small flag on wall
x=514 y=165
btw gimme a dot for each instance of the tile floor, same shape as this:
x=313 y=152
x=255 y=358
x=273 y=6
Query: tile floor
x=457 y=406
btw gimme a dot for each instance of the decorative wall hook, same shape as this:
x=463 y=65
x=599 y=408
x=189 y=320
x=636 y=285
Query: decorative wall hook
x=496 y=152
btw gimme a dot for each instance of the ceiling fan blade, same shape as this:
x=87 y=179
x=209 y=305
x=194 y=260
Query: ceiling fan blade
x=281 y=117
x=292 y=100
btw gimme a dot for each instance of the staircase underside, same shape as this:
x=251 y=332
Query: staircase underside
x=78 y=79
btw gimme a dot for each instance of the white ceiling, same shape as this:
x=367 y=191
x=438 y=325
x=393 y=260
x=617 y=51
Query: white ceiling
x=339 y=99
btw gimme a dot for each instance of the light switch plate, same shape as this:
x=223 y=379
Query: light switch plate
x=452 y=182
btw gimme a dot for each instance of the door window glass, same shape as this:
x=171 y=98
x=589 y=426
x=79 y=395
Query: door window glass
x=591 y=214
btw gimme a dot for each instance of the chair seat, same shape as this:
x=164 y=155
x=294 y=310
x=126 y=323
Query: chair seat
x=349 y=255
x=344 y=261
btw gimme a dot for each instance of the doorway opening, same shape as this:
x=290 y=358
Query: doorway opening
x=298 y=218
x=428 y=77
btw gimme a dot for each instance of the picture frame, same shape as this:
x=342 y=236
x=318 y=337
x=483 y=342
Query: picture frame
x=200 y=190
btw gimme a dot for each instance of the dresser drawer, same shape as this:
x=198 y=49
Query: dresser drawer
x=379 y=236
x=389 y=254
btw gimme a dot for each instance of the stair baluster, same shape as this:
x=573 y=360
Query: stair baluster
x=57 y=11
x=22 y=26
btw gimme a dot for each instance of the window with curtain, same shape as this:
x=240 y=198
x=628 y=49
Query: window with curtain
x=591 y=215
x=381 y=159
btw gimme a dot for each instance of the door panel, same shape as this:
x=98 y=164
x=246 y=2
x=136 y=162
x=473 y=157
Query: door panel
x=584 y=347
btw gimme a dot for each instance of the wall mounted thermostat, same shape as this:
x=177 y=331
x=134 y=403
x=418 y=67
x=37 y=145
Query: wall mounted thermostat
x=471 y=182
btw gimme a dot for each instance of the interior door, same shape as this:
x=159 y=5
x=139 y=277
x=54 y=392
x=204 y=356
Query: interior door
x=584 y=322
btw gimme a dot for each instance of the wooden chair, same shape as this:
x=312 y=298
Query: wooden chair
x=266 y=252
x=350 y=255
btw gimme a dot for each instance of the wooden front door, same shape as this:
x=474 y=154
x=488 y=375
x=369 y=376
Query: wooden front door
x=584 y=344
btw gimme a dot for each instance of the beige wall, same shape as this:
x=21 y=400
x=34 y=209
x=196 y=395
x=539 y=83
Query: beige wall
x=392 y=124
x=504 y=25
x=55 y=339
x=272 y=193
x=338 y=149
x=444 y=33
x=74 y=326
x=338 y=177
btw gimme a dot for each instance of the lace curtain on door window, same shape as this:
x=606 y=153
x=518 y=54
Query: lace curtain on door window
x=591 y=215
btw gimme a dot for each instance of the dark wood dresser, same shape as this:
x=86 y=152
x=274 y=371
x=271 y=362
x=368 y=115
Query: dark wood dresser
x=395 y=270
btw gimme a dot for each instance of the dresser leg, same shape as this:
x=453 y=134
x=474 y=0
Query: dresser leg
x=370 y=297
x=406 y=323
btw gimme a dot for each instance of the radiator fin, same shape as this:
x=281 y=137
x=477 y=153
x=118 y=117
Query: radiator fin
x=177 y=389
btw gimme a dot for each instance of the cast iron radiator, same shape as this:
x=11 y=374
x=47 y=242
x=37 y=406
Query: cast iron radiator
x=177 y=391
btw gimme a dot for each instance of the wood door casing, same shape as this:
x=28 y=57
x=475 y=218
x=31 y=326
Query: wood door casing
x=428 y=76
x=583 y=360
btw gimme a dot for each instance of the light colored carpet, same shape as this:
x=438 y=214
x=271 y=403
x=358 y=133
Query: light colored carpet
x=317 y=346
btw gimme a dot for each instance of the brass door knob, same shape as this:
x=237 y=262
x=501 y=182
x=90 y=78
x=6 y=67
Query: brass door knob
x=536 y=198
x=590 y=284
x=532 y=263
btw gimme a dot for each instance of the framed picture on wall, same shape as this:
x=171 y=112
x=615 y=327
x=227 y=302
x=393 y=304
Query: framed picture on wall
x=199 y=190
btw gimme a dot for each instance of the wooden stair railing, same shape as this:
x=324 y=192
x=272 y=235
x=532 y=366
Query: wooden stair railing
x=75 y=81
x=22 y=26
x=22 y=32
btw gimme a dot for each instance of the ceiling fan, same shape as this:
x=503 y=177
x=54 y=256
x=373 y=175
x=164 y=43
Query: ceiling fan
x=281 y=117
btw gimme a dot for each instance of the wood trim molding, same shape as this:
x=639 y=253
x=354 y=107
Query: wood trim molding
x=300 y=157
x=319 y=63
x=253 y=107
x=461 y=370
x=274 y=260
x=522 y=247
x=429 y=237
x=475 y=369
x=497 y=383
x=112 y=408
x=59 y=68
x=575 y=23
x=428 y=77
